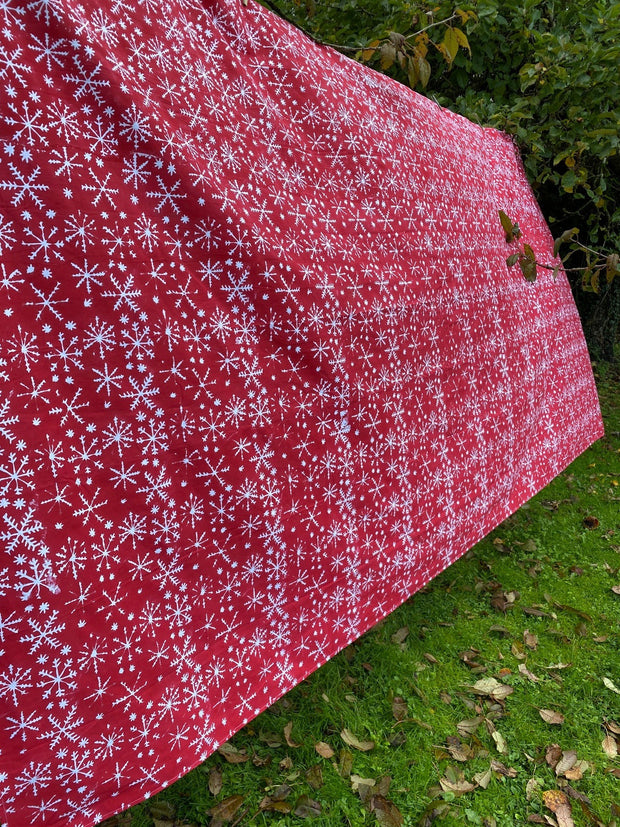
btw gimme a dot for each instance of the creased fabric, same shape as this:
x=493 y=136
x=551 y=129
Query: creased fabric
x=264 y=373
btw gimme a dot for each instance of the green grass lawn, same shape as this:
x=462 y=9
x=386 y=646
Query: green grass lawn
x=435 y=714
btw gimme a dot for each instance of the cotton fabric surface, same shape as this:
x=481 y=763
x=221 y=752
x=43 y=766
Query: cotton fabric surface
x=264 y=372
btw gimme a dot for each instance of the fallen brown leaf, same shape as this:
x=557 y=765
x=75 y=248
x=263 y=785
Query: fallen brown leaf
x=272 y=739
x=550 y=716
x=611 y=685
x=558 y=803
x=575 y=773
x=306 y=807
x=162 y=813
x=286 y=764
x=430 y=658
x=566 y=608
x=610 y=746
x=500 y=742
x=612 y=726
x=493 y=688
x=357 y=781
x=502 y=769
x=483 y=779
x=553 y=755
x=287 y=735
x=458 y=750
x=324 y=750
x=382 y=787
x=215 y=781
x=386 y=812
x=345 y=763
x=353 y=741
x=226 y=809
x=275 y=805
x=616 y=589
x=397 y=739
x=530 y=639
x=400 y=711
x=581 y=629
x=401 y=635
x=455 y=781
x=531 y=788
x=232 y=754
x=535 y=611
x=469 y=725
x=281 y=792
x=314 y=776
x=523 y=670
x=568 y=760
x=591 y=522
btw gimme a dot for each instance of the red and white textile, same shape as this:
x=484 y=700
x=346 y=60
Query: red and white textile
x=263 y=374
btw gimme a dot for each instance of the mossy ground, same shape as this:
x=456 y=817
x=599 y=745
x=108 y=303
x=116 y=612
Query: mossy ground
x=536 y=593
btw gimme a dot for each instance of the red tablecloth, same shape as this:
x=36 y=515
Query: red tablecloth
x=263 y=373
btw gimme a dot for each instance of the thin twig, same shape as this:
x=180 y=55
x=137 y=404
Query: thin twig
x=430 y=26
x=347 y=49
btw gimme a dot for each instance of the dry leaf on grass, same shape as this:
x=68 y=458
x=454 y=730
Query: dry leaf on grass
x=324 y=750
x=345 y=763
x=610 y=746
x=558 y=803
x=287 y=735
x=306 y=807
x=500 y=742
x=553 y=755
x=523 y=670
x=386 y=812
x=314 y=776
x=401 y=635
x=493 y=688
x=455 y=781
x=232 y=754
x=576 y=772
x=400 y=710
x=531 y=788
x=357 y=781
x=458 y=750
x=275 y=805
x=568 y=760
x=162 y=813
x=483 y=779
x=353 y=741
x=550 y=716
x=611 y=685
x=226 y=809
x=215 y=780
x=502 y=769
x=469 y=726
x=530 y=639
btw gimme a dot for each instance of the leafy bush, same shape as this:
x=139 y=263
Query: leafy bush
x=541 y=70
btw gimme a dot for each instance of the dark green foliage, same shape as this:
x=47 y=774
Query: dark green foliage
x=544 y=71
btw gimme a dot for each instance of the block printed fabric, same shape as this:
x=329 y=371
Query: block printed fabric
x=264 y=373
